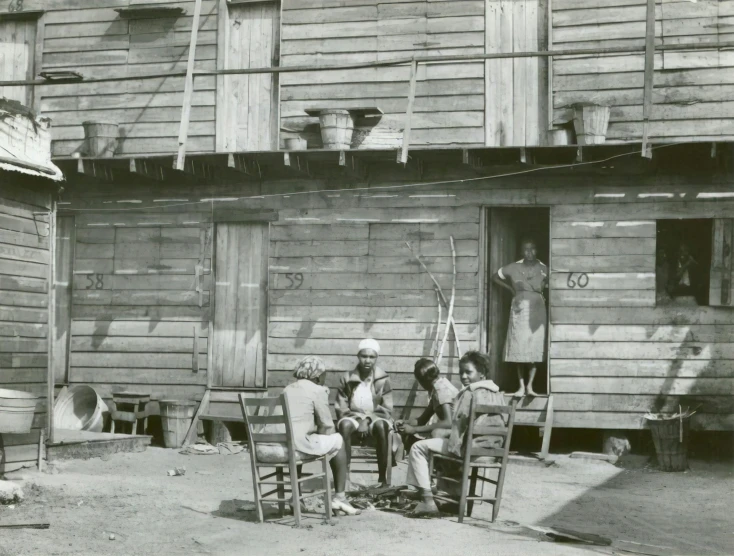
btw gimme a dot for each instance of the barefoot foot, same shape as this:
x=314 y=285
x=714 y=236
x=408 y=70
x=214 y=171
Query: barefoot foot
x=519 y=394
x=532 y=393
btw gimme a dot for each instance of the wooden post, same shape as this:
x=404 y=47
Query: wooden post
x=409 y=111
x=649 y=74
x=183 y=131
x=50 y=378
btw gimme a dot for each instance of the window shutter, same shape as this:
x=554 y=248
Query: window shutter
x=720 y=283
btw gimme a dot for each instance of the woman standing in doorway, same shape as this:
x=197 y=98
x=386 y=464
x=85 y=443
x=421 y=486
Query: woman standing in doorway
x=525 y=344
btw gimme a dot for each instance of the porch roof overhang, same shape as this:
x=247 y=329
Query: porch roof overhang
x=257 y=166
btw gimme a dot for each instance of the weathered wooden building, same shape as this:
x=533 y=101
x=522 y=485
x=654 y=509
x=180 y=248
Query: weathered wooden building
x=221 y=275
x=27 y=190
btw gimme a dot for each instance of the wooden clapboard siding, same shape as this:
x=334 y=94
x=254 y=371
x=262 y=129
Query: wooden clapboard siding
x=610 y=340
x=692 y=88
x=95 y=41
x=448 y=107
x=139 y=321
x=339 y=271
x=17 y=57
x=24 y=274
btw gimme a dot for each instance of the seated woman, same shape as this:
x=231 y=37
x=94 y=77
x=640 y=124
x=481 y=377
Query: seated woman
x=364 y=404
x=473 y=370
x=440 y=405
x=313 y=428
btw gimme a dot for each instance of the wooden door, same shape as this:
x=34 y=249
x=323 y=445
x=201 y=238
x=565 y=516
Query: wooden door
x=17 y=53
x=240 y=306
x=247 y=117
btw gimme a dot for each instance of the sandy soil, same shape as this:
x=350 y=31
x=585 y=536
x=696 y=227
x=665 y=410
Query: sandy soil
x=131 y=497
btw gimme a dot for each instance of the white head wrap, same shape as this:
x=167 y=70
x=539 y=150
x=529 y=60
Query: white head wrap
x=369 y=343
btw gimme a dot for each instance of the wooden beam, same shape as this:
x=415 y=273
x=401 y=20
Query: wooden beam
x=245 y=165
x=296 y=163
x=95 y=169
x=352 y=165
x=149 y=168
x=244 y=215
x=183 y=132
x=52 y=332
x=409 y=112
x=649 y=77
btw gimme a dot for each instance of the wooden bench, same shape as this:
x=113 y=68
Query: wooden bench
x=221 y=404
x=536 y=411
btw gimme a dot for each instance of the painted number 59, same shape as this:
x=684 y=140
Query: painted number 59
x=295 y=281
x=581 y=281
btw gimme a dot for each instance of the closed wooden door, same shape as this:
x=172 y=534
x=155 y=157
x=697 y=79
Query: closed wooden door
x=248 y=104
x=240 y=310
x=17 y=52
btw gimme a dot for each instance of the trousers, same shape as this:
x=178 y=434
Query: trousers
x=418 y=473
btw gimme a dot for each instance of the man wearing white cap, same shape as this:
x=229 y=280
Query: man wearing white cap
x=364 y=404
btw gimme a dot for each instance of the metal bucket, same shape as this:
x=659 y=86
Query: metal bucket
x=670 y=437
x=337 y=127
x=16 y=411
x=101 y=138
x=80 y=408
x=176 y=418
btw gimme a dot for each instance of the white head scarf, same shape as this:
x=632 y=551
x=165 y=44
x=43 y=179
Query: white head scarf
x=369 y=343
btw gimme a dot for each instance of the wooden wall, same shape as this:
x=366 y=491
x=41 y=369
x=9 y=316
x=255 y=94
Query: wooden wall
x=136 y=315
x=24 y=273
x=92 y=39
x=693 y=89
x=340 y=271
x=449 y=106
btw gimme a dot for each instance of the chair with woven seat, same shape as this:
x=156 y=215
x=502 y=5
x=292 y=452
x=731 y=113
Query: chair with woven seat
x=477 y=458
x=259 y=413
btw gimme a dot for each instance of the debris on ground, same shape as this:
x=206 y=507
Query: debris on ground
x=10 y=492
x=112 y=536
x=594 y=456
x=177 y=472
x=230 y=448
x=43 y=525
x=559 y=534
x=200 y=449
x=245 y=506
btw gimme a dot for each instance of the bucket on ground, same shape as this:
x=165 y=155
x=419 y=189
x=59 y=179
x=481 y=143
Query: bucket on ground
x=80 y=408
x=337 y=127
x=670 y=436
x=176 y=416
x=101 y=138
x=16 y=411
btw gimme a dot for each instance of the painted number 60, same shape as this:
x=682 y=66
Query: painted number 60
x=581 y=281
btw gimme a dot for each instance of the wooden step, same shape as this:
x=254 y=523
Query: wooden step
x=85 y=445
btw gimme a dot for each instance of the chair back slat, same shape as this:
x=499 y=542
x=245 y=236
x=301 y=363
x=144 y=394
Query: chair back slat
x=267 y=419
x=482 y=430
x=492 y=409
x=256 y=437
x=487 y=452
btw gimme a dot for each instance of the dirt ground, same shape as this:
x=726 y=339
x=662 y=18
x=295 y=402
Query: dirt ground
x=131 y=497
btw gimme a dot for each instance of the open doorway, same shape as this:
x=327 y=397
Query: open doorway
x=507 y=227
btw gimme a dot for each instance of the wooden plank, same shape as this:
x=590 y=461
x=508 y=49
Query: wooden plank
x=366 y=314
x=140 y=297
x=23 y=284
x=641 y=368
x=368 y=298
x=603 y=263
x=356 y=330
x=134 y=360
x=63 y=275
x=140 y=312
x=664 y=315
x=603 y=298
x=140 y=377
x=642 y=350
x=417 y=347
x=134 y=344
x=372 y=265
x=362 y=281
x=154 y=328
x=603 y=281
x=642 y=333
x=610 y=229
x=664 y=386
x=603 y=246
x=139 y=282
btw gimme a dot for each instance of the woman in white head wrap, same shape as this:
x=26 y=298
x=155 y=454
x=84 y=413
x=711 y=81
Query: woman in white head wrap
x=364 y=404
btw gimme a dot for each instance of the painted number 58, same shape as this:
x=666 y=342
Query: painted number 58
x=581 y=281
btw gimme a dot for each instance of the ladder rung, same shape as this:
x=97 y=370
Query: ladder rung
x=313 y=476
x=481 y=498
x=312 y=494
x=274 y=482
x=451 y=479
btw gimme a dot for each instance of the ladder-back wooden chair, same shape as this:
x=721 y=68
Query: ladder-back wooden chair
x=477 y=458
x=364 y=455
x=257 y=413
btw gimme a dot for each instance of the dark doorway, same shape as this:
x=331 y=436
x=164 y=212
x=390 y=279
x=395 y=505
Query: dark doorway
x=507 y=227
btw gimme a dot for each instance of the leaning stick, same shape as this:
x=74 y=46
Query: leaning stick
x=450 y=316
x=440 y=293
x=434 y=346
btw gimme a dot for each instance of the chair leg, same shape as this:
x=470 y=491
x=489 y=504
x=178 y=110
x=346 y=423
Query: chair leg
x=256 y=489
x=472 y=491
x=327 y=488
x=295 y=494
x=498 y=490
x=388 y=472
x=279 y=476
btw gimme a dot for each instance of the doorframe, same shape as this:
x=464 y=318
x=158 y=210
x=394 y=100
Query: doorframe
x=484 y=279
